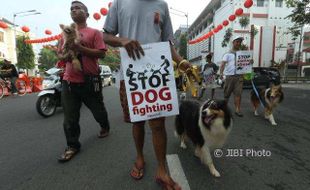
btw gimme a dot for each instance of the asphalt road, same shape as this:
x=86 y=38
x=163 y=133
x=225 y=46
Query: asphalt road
x=30 y=146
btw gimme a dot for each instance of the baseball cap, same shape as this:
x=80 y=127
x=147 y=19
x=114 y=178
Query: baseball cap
x=238 y=38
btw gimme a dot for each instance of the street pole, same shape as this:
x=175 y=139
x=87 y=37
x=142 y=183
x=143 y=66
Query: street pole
x=21 y=14
x=186 y=15
x=299 y=53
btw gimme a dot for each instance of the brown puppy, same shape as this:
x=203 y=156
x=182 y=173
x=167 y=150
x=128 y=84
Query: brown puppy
x=71 y=37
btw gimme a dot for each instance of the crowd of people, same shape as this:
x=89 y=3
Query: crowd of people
x=84 y=86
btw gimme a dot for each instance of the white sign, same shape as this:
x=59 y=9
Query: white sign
x=150 y=83
x=243 y=62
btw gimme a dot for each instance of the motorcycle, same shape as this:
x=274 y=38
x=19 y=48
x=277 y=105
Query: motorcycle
x=50 y=97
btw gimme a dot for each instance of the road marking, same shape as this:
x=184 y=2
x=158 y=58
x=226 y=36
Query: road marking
x=176 y=171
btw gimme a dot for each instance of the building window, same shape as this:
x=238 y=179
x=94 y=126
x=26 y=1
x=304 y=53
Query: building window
x=279 y=3
x=1 y=37
x=260 y=3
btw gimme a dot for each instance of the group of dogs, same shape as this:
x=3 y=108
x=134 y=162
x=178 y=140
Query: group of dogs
x=208 y=124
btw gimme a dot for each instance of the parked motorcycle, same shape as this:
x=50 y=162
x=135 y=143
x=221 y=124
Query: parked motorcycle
x=50 y=97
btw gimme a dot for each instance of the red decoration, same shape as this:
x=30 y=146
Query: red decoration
x=225 y=22
x=239 y=12
x=3 y=25
x=232 y=17
x=48 y=32
x=248 y=3
x=25 y=29
x=110 y=4
x=104 y=11
x=219 y=27
x=96 y=16
x=215 y=30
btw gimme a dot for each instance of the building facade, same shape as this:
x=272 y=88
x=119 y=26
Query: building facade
x=8 y=44
x=266 y=32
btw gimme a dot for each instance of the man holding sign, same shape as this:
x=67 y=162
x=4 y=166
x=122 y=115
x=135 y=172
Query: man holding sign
x=235 y=63
x=144 y=22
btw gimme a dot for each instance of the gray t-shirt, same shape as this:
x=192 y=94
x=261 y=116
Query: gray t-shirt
x=147 y=21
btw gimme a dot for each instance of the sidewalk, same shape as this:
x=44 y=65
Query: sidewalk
x=303 y=86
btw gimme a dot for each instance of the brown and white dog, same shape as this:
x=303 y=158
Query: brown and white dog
x=206 y=125
x=270 y=98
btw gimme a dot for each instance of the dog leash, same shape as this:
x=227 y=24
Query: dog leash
x=256 y=92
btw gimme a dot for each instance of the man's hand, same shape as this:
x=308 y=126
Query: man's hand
x=133 y=49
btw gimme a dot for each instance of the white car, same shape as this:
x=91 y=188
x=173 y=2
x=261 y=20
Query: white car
x=106 y=75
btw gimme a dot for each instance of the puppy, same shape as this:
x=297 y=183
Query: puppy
x=206 y=125
x=71 y=36
x=270 y=98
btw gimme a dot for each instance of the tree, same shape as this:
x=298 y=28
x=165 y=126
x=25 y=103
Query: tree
x=300 y=15
x=47 y=59
x=183 y=46
x=25 y=54
x=227 y=37
x=112 y=59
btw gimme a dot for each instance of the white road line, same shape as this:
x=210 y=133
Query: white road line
x=176 y=171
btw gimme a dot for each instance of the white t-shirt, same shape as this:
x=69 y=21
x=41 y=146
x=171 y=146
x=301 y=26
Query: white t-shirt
x=230 y=68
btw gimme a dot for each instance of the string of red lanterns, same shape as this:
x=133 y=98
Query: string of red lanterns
x=43 y=40
x=231 y=18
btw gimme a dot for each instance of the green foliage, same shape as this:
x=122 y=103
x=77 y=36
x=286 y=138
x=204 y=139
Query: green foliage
x=300 y=15
x=183 y=46
x=244 y=21
x=111 y=59
x=47 y=59
x=1 y=62
x=244 y=47
x=25 y=54
x=227 y=37
x=254 y=31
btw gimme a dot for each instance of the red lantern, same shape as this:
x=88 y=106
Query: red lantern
x=110 y=4
x=48 y=32
x=103 y=11
x=219 y=27
x=232 y=17
x=225 y=22
x=248 y=3
x=96 y=16
x=3 y=25
x=239 y=12
x=215 y=30
x=25 y=29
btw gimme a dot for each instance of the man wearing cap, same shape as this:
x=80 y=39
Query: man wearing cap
x=8 y=70
x=83 y=86
x=233 y=82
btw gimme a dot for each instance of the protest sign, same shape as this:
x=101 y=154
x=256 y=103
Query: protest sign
x=243 y=62
x=150 y=83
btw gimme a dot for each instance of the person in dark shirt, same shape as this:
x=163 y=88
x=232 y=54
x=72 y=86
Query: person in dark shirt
x=8 y=70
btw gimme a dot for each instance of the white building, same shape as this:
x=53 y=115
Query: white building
x=8 y=44
x=267 y=16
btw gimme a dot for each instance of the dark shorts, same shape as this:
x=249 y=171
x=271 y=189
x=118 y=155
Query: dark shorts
x=124 y=104
x=233 y=84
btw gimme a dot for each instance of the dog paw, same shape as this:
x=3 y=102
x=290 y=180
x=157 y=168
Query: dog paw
x=274 y=124
x=183 y=145
x=215 y=173
x=256 y=113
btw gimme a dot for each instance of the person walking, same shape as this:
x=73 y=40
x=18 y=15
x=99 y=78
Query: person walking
x=141 y=22
x=233 y=82
x=83 y=86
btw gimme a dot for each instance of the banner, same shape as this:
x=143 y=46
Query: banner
x=243 y=62
x=150 y=83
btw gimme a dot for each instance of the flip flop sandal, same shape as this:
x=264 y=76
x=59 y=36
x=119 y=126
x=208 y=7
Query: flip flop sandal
x=136 y=172
x=68 y=154
x=170 y=184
